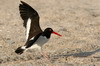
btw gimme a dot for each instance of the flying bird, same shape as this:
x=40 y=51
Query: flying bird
x=34 y=34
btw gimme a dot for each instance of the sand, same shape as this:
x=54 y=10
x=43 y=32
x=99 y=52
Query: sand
x=78 y=21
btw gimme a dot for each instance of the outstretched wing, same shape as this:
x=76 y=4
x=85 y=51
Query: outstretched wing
x=31 y=20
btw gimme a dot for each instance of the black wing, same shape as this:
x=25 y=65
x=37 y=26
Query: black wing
x=26 y=12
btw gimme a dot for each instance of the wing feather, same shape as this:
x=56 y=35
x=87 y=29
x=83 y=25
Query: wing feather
x=27 y=12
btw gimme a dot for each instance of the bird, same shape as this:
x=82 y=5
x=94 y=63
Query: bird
x=35 y=36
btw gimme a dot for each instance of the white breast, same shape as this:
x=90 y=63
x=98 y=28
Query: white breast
x=40 y=42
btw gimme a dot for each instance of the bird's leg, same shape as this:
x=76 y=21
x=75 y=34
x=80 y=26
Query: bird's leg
x=45 y=54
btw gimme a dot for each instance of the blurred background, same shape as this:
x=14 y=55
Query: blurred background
x=78 y=21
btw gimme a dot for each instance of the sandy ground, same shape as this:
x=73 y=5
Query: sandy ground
x=77 y=20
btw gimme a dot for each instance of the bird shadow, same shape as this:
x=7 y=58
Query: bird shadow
x=81 y=54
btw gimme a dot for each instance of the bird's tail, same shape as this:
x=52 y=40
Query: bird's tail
x=20 y=50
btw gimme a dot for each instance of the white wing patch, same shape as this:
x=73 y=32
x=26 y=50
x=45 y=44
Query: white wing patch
x=23 y=47
x=28 y=28
x=32 y=38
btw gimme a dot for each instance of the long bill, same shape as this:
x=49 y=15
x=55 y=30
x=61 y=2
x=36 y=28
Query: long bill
x=57 y=33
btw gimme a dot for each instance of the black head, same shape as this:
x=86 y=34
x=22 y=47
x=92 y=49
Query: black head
x=47 y=32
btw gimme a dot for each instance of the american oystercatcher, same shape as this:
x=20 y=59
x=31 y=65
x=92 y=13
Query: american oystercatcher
x=35 y=37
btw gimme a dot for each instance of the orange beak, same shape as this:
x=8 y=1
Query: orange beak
x=56 y=33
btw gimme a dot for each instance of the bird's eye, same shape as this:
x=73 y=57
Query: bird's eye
x=50 y=30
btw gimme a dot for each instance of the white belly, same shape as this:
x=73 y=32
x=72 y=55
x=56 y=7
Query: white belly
x=39 y=43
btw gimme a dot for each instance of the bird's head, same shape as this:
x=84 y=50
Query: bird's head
x=49 y=31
